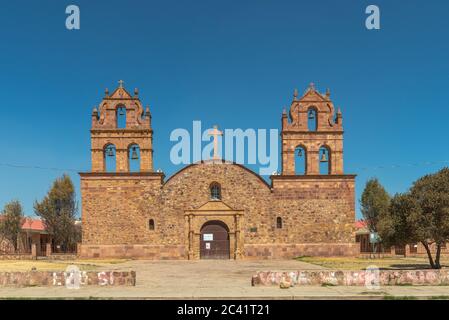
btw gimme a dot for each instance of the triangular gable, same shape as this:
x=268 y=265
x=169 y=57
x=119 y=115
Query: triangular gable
x=120 y=93
x=312 y=95
x=214 y=205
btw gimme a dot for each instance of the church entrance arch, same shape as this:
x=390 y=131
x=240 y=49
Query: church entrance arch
x=214 y=241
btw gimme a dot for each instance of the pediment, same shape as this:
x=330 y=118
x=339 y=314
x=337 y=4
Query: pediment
x=312 y=95
x=215 y=205
x=120 y=93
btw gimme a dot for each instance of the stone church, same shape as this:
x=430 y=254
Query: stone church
x=216 y=209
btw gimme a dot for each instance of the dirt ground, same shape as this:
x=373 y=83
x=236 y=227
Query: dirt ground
x=211 y=279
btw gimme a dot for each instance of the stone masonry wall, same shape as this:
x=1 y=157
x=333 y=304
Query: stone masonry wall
x=317 y=213
x=317 y=209
x=116 y=209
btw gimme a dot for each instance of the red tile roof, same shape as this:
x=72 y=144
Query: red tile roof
x=360 y=224
x=33 y=224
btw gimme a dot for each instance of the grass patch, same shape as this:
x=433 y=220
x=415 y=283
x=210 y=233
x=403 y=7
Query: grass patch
x=439 y=298
x=56 y=298
x=348 y=263
x=374 y=293
x=328 y=284
x=388 y=297
x=55 y=265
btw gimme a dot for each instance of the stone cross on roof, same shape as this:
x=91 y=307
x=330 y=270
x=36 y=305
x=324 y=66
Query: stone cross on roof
x=215 y=133
x=120 y=83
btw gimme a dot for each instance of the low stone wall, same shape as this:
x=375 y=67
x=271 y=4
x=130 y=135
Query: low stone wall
x=56 y=256
x=42 y=278
x=352 y=278
x=292 y=250
x=156 y=252
x=16 y=257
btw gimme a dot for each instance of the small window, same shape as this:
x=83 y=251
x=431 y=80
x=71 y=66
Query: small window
x=151 y=224
x=215 y=191
x=279 y=222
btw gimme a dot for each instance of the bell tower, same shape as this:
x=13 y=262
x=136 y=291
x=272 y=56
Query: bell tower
x=130 y=139
x=314 y=132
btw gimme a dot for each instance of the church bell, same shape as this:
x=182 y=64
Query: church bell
x=134 y=155
x=323 y=157
x=122 y=112
x=311 y=115
x=110 y=152
x=300 y=153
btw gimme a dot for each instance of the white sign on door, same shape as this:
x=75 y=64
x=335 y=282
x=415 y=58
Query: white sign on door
x=208 y=237
x=207 y=245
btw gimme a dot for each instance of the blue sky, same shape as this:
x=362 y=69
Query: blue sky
x=231 y=63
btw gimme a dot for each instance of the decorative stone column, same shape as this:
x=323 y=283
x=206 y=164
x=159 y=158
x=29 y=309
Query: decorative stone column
x=237 y=252
x=191 y=237
x=34 y=250
x=121 y=160
x=48 y=250
x=313 y=162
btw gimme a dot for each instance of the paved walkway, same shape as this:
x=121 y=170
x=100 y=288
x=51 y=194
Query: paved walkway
x=214 y=279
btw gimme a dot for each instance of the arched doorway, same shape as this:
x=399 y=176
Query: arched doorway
x=214 y=241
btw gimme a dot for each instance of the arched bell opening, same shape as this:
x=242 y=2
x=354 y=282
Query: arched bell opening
x=134 y=158
x=121 y=117
x=300 y=160
x=325 y=160
x=110 y=158
x=312 y=119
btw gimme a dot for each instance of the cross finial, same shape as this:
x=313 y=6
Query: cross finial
x=312 y=86
x=120 y=83
x=295 y=94
x=215 y=133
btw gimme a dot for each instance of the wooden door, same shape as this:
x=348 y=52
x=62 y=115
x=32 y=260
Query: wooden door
x=214 y=242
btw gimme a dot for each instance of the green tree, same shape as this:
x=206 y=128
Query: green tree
x=420 y=215
x=374 y=203
x=58 y=212
x=11 y=222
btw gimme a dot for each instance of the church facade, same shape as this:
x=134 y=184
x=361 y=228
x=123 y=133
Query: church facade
x=215 y=209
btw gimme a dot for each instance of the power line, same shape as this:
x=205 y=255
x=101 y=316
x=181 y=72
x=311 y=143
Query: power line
x=402 y=165
x=391 y=166
x=20 y=166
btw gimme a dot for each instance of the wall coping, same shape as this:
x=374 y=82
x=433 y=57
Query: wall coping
x=422 y=277
x=59 y=278
x=122 y=175
x=314 y=177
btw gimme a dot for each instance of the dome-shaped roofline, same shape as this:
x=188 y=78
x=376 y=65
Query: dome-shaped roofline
x=218 y=162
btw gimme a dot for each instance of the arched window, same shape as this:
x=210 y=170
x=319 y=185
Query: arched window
x=312 y=119
x=215 y=191
x=325 y=160
x=279 y=223
x=134 y=158
x=121 y=117
x=151 y=224
x=300 y=160
x=109 y=155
